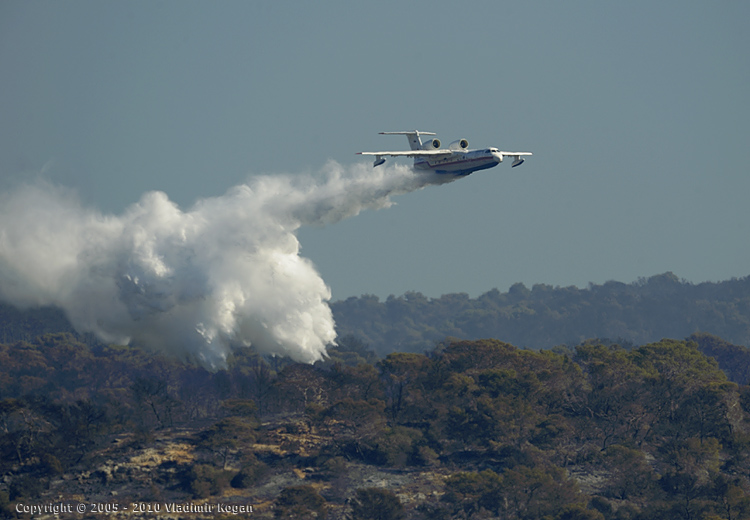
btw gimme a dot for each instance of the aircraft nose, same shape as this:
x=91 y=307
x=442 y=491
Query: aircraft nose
x=498 y=156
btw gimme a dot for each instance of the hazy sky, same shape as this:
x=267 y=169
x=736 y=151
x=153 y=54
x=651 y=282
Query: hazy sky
x=638 y=115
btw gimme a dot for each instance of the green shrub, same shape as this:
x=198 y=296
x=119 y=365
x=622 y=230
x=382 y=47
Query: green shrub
x=376 y=504
x=250 y=474
x=204 y=480
x=300 y=502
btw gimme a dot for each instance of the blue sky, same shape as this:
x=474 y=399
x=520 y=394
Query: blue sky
x=637 y=113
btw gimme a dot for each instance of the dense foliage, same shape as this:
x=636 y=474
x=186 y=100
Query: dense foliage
x=544 y=316
x=592 y=432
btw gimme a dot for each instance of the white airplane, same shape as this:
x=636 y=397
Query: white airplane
x=456 y=160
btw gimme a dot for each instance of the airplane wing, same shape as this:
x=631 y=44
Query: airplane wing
x=514 y=154
x=407 y=153
x=518 y=161
x=411 y=153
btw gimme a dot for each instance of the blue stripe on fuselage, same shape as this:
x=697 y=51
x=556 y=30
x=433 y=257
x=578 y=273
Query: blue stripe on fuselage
x=467 y=171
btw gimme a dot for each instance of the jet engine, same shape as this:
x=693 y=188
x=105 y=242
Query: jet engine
x=461 y=144
x=432 y=144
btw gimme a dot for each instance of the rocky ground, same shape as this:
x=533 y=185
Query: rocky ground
x=142 y=478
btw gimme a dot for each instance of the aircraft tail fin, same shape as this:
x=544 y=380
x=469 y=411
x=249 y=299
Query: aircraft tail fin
x=412 y=136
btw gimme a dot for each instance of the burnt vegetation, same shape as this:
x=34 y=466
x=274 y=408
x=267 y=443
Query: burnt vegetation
x=469 y=429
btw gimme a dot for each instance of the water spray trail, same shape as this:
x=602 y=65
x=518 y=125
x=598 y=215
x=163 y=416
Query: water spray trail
x=190 y=283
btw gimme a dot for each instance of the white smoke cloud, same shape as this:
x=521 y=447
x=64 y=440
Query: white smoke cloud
x=190 y=283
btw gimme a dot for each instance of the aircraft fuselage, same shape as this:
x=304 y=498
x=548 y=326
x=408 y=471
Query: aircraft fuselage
x=460 y=163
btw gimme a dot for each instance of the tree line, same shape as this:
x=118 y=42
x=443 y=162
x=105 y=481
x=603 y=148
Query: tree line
x=544 y=316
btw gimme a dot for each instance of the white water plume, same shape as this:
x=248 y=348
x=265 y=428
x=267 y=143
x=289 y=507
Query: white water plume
x=190 y=283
